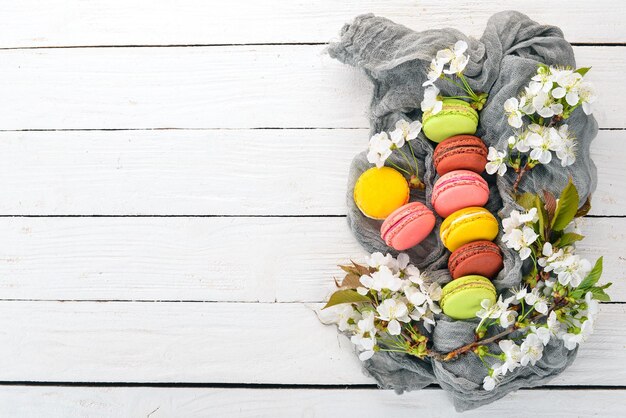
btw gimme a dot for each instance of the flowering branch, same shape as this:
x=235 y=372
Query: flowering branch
x=456 y=60
x=549 y=99
x=385 y=305
x=382 y=145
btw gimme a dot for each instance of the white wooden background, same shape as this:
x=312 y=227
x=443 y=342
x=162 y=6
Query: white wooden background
x=172 y=178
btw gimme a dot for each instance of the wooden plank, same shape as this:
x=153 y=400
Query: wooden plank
x=216 y=87
x=220 y=343
x=139 y=22
x=216 y=172
x=114 y=402
x=208 y=259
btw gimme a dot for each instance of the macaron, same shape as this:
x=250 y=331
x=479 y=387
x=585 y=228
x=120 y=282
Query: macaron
x=380 y=191
x=479 y=257
x=467 y=225
x=461 y=298
x=407 y=226
x=459 y=189
x=456 y=117
x=460 y=152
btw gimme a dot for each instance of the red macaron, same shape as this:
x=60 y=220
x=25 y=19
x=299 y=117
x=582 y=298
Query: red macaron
x=482 y=258
x=407 y=226
x=460 y=152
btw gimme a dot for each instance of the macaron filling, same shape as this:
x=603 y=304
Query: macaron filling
x=459 y=149
x=441 y=187
x=459 y=220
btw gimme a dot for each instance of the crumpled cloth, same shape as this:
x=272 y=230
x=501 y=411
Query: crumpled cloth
x=502 y=61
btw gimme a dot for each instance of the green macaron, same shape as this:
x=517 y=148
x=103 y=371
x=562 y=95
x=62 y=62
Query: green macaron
x=461 y=298
x=456 y=117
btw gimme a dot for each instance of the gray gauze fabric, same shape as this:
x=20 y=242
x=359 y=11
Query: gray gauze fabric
x=502 y=62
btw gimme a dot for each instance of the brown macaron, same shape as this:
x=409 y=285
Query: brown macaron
x=460 y=152
x=482 y=258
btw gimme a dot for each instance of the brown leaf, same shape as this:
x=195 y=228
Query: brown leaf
x=348 y=269
x=360 y=269
x=336 y=282
x=584 y=209
x=550 y=202
x=351 y=281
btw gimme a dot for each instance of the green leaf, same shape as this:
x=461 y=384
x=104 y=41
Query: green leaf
x=600 y=294
x=345 y=296
x=568 y=239
x=526 y=200
x=593 y=276
x=566 y=207
x=582 y=70
x=584 y=209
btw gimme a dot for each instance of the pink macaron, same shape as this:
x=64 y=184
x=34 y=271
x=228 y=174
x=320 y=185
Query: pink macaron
x=407 y=226
x=457 y=190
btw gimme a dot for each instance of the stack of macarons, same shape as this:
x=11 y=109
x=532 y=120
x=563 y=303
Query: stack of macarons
x=458 y=195
x=468 y=228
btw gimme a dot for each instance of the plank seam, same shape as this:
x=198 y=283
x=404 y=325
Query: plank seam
x=240 y=302
x=269 y=386
x=260 y=128
x=247 y=44
x=223 y=216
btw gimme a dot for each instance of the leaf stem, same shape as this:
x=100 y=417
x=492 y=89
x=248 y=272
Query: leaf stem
x=399 y=168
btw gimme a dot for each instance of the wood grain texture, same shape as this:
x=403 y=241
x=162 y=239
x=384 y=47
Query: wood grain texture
x=217 y=87
x=208 y=259
x=214 y=172
x=220 y=343
x=63 y=402
x=141 y=22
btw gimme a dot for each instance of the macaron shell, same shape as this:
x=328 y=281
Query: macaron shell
x=461 y=298
x=408 y=226
x=482 y=258
x=460 y=152
x=380 y=191
x=455 y=118
x=467 y=225
x=457 y=190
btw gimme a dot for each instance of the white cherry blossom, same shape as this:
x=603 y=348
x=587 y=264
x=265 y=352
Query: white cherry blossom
x=587 y=95
x=542 y=145
x=493 y=378
x=513 y=355
x=434 y=71
x=379 y=149
x=531 y=350
x=393 y=311
x=344 y=315
x=520 y=240
x=377 y=259
x=455 y=56
x=431 y=102
x=571 y=340
x=497 y=163
x=507 y=318
x=384 y=278
x=512 y=108
x=572 y=270
x=546 y=106
x=405 y=131
x=365 y=336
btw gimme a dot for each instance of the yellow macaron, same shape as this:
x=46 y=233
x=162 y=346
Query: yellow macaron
x=380 y=191
x=467 y=225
